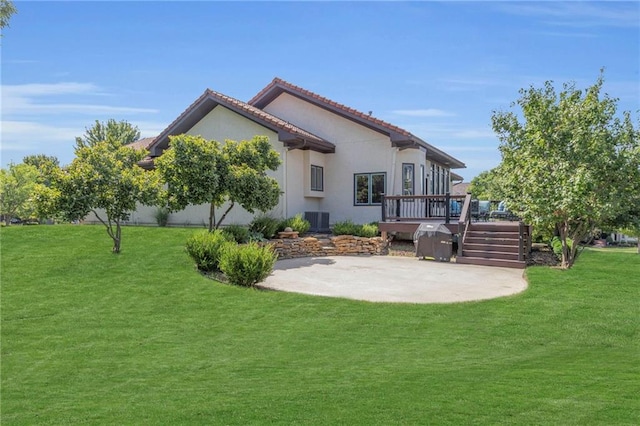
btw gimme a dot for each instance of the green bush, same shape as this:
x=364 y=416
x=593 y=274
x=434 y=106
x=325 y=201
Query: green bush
x=248 y=264
x=239 y=233
x=346 y=227
x=349 y=228
x=205 y=248
x=296 y=223
x=369 y=230
x=162 y=216
x=265 y=225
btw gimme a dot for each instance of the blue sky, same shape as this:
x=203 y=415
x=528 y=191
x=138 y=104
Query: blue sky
x=437 y=69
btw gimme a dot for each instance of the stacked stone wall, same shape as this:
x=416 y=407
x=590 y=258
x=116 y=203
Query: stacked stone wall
x=341 y=245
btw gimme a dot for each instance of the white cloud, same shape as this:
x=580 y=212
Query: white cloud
x=429 y=112
x=579 y=14
x=32 y=132
x=25 y=99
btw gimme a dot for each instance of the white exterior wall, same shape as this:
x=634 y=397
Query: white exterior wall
x=358 y=150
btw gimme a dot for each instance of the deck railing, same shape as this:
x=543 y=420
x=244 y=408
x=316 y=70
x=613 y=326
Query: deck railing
x=419 y=207
x=463 y=222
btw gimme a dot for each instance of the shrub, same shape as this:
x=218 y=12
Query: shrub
x=296 y=223
x=369 y=230
x=349 y=228
x=205 y=248
x=344 y=228
x=162 y=216
x=237 y=232
x=265 y=225
x=248 y=264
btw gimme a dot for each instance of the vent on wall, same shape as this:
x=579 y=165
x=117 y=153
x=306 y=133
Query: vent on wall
x=319 y=221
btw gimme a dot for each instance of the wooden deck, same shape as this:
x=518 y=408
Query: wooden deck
x=481 y=239
x=411 y=226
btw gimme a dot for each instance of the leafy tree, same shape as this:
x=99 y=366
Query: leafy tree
x=103 y=176
x=7 y=9
x=17 y=184
x=41 y=160
x=198 y=171
x=487 y=185
x=117 y=132
x=572 y=164
x=45 y=164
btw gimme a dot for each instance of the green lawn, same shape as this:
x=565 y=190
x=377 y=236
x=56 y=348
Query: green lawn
x=142 y=338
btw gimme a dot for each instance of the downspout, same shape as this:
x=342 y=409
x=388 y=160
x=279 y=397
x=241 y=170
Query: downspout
x=286 y=178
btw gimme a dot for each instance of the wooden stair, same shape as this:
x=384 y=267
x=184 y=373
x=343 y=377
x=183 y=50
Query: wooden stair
x=493 y=244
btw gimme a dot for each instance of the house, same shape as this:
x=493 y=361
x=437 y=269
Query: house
x=335 y=160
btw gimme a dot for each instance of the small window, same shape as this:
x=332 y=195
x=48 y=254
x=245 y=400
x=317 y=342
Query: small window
x=408 y=176
x=317 y=178
x=368 y=188
x=423 y=182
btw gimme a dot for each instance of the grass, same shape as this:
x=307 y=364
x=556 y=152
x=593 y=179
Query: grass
x=142 y=338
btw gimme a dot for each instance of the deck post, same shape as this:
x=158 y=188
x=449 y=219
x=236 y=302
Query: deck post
x=447 y=207
x=384 y=210
x=521 y=241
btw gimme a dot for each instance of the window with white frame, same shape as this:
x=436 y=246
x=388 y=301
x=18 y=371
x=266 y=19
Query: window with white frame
x=423 y=183
x=368 y=188
x=408 y=177
x=317 y=178
x=433 y=179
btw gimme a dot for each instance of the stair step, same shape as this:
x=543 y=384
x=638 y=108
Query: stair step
x=489 y=254
x=492 y=246
x=490 y=226
x=493 y=234
x=491 y=262
x=493 y=241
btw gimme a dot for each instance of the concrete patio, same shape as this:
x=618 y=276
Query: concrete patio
x=394 y=279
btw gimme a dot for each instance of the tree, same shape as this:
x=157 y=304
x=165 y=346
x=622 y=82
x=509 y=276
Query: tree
x=487 y=185
x=45 y=165
x=572 y=165
x=17 y=184
x=198 y=171
x=103 y=176
x=7 y=9
x=118 y=132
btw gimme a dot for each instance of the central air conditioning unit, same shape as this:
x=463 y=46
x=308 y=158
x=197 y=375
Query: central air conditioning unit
x=319 y=221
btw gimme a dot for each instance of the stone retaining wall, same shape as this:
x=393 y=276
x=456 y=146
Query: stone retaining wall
x=341 y=245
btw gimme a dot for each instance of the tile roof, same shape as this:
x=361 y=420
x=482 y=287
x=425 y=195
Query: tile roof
x=143 y=143
x=256 y=100
x=210 y=99
x=397 y=134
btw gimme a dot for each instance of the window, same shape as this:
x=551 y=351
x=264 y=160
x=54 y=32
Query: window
x=407 y=179
x=423 y=183
x=447 y=177
x=317 y=178
x=433 y=179
x=368 y=188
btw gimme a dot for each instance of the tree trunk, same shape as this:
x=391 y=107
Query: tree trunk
x=638 y=244
x=233 y=203
x=212 y=216
x=562 y=230
x=117 y=238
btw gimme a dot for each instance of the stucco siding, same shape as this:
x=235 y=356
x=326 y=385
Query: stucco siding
x=358 y=150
